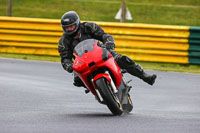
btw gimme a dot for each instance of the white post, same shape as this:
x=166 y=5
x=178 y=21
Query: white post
x=123 y=14
x=9 y=10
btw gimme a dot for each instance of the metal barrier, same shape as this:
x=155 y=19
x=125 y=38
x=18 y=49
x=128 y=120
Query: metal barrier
x=141 y=42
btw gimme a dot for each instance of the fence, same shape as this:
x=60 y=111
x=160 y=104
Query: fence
x=142 y=42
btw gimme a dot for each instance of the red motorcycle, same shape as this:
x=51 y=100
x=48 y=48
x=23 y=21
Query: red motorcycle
x=102 y=76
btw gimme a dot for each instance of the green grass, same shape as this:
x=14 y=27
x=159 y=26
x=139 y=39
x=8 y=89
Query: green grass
x=145 y=65
x=31 y=57
x=171 y=67
x=171 y=12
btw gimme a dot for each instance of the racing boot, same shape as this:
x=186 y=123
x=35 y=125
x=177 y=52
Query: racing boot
x=137 y=71
x=127 y=63
x=79 y=83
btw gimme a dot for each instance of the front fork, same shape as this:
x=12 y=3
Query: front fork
x=112 y=88
x=112 y=84
x=118 y=93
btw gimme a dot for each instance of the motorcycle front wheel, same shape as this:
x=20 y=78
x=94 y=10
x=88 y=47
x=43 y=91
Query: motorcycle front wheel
x=110 y=99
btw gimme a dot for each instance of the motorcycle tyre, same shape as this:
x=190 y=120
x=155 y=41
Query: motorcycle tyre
x=112 y=104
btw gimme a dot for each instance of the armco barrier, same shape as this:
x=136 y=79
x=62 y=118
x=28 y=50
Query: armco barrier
x=194 y=49
x=142 y=42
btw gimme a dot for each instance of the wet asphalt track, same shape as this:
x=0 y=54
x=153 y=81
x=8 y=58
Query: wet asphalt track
x=38 y=97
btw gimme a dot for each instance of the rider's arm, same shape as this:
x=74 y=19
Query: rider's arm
x=66 y=54
x=98 y=33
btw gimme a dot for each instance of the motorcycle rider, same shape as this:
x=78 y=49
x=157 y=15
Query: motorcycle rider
x=75 y=32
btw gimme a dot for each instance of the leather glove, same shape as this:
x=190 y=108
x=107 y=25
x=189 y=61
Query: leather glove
x=110 y=45
x=69 y=68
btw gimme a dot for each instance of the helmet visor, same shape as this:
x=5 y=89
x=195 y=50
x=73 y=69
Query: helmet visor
x=71 y=28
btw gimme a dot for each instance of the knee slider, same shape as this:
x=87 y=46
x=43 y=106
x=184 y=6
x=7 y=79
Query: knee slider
x=125 y=61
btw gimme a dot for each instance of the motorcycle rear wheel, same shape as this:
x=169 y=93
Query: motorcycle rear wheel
x=109 y=97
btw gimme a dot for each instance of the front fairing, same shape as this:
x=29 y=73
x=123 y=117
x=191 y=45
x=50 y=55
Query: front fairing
x=89 y=57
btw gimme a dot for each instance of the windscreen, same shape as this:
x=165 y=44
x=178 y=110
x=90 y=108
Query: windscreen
x=84 y=46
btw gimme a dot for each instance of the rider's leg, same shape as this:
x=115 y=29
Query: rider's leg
x=125 y=62
x=78 y=82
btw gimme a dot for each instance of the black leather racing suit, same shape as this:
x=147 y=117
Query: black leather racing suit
x=67 y=44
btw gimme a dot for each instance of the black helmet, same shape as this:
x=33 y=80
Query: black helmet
x=68 y=19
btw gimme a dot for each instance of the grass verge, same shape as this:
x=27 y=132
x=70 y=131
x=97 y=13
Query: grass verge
x=170 y=12
x=145 y=65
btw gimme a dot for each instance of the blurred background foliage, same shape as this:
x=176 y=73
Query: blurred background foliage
x=170 y=12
